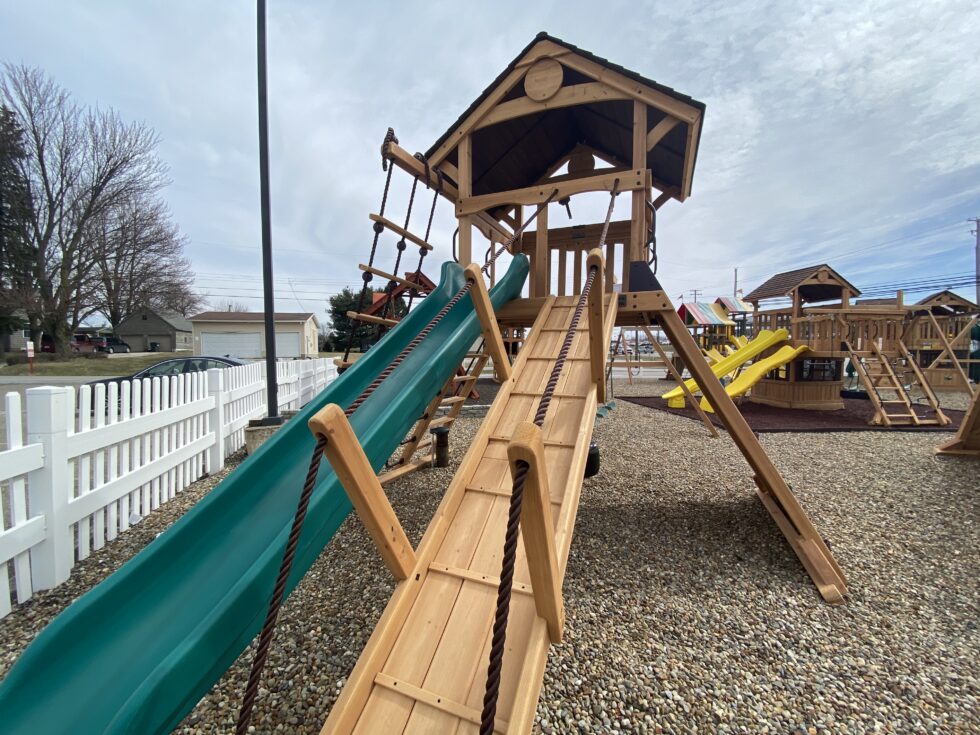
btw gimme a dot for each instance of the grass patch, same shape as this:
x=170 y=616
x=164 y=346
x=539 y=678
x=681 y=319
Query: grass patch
x=85 y=366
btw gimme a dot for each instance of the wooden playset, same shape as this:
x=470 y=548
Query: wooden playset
x=833 y=329
x=462 y=645
x=425 y=666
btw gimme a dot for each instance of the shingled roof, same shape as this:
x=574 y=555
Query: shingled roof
x=783 y=284
x=517 y=153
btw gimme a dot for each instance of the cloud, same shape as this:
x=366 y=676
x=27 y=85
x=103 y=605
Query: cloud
x=831 y=128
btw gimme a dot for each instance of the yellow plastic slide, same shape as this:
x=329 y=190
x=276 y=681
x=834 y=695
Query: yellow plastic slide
x=756 y=372
x=757 y=346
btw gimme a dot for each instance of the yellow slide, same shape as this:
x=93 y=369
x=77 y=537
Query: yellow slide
x=757 y=346
x=756 y=372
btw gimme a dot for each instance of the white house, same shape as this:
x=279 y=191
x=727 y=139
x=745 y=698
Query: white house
x=241 y=334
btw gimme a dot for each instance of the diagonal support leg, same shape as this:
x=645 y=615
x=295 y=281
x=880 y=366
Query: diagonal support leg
x=772 y=489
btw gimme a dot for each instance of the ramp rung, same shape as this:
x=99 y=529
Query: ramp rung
x=392 y=475
x=464 y=378
x=437 y=701
x=444 y=421
x=392 y=277
x=453 y=400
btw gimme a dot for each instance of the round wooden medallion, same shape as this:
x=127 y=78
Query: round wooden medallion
x=580 y=162
x=543 y=80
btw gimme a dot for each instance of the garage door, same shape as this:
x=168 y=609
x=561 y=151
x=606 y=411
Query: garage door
x=287 y=344
x=232 y=344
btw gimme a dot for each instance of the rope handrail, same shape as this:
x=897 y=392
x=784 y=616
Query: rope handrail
x=505 y=588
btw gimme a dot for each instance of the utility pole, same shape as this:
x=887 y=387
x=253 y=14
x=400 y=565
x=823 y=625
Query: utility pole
x=269 y=300
x=735 y=287
x=695 y=292
x=976 y=232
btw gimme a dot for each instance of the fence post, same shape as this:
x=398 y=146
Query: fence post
x=216 y=419
x=48 y=416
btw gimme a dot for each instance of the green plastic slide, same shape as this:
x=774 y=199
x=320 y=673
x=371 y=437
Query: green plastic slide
x=137 y=652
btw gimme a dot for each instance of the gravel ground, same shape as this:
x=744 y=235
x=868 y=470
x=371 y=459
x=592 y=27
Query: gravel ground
x=686 y=610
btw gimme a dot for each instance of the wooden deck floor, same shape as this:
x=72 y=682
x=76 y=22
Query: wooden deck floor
x=424 y=668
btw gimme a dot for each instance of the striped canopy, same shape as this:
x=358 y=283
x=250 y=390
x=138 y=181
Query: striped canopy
x=704 y=315
x=733 y=305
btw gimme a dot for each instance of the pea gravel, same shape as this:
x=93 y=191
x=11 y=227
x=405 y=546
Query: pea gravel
x=686 y=610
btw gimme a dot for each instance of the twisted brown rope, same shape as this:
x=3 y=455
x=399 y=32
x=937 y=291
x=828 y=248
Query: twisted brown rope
x=269 y=627
x=278 y=593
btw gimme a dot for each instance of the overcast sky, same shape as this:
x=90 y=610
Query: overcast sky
x=840 y=132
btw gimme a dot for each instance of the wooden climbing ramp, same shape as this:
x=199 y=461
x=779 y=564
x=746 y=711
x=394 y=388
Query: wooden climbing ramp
x=424 y=668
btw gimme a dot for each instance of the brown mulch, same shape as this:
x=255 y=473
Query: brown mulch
x=768 y=419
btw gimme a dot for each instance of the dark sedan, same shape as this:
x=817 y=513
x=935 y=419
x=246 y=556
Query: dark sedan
x=176 y=366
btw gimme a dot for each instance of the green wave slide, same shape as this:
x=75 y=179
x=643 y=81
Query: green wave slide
x=137 y=652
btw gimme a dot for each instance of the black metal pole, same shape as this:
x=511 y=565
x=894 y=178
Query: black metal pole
x=269 y=300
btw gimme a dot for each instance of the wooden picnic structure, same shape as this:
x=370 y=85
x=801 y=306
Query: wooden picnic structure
x=555 y=107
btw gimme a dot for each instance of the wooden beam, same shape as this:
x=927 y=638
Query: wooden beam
x=967 y=438
x=775 y=494
x=638 y=230
x=660 y=130
x=488 y=322
x=948 y=350
x=371 y=319
x=562 y=271
x=538 y=528
x=355 y=473
x=410 y=164
x=465 y=153
x=542 y=257
x=576 y=94
x=665 y=197
x=628 y=181
x=582 y=237
x=392 y=277
x=400 y=231
x=597 y=343
x=633 y=88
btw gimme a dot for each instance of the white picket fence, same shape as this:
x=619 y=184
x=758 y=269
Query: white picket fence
x=97 y=461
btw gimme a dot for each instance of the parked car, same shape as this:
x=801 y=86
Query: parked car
x=176 y=366
x=83 y=343
x=114 y=344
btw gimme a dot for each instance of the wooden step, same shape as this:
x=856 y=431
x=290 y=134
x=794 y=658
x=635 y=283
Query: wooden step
x=371 y=319
x=442 y=421
x=400 y=231
x=451 y=400
x=464 y=378
x=385 y=477
x=391 y=277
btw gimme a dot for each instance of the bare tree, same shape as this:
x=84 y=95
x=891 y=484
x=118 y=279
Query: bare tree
x=140 y=260
x=79 y=164
x=224 y=303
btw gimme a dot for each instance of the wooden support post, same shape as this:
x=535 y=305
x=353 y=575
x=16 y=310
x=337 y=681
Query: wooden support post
x=680 y=381
x=597 y=331
x=577 y=273
x=538 y=529
x=465 y=153
x=562 y=274
x=488 y=322
x=542 y=257
x=355 y=473
x=775 y=494
x=638 y=233
x=948 y=350
x=967 y=438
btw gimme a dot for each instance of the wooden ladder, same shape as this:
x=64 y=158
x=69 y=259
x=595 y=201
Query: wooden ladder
x=452 y=396
x=613 y=362
x=876 y=371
